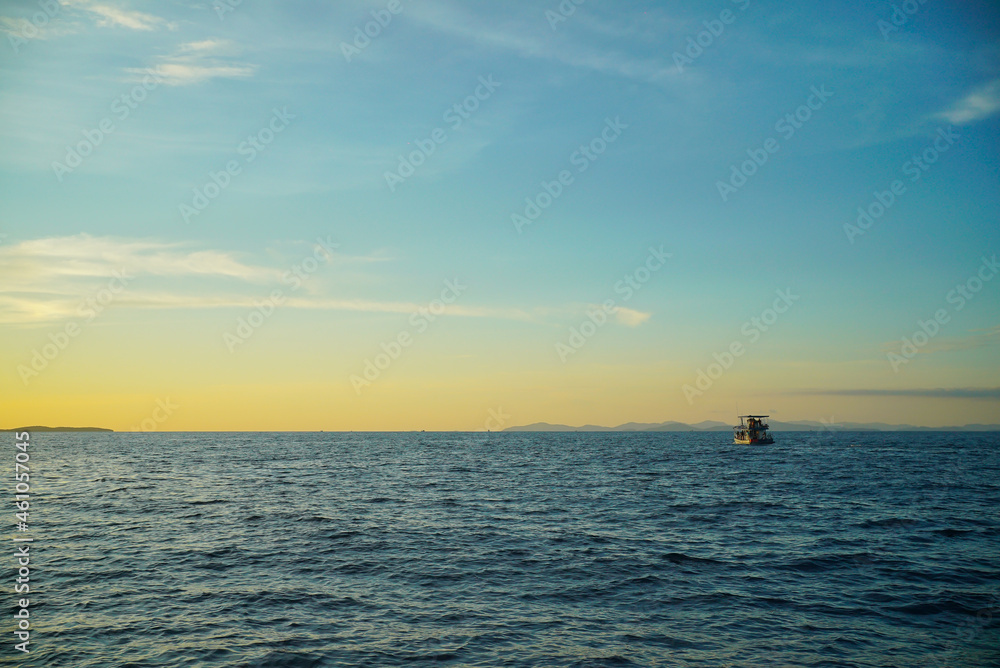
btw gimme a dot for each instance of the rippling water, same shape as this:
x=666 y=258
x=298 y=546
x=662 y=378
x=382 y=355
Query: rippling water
x=611 y=549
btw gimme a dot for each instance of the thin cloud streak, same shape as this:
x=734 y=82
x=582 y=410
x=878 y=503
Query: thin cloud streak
x=980 y=104
x=31 y=263
x=24 y=310
x=108 y=15
x=449 y=19
x=48 y=279
x=196 y=62
x=630 y=317
x=979 y=339
x=932 y=393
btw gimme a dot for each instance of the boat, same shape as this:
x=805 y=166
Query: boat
x=752 y=430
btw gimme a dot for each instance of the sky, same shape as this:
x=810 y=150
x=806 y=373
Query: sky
x=443 y=215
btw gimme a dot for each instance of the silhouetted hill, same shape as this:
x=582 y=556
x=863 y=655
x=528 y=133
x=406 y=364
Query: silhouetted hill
x=712 y=425
x=39 y=428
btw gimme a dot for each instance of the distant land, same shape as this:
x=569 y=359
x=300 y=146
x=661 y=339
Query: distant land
x=711 y=425
x=707 y=425
x=58 y=429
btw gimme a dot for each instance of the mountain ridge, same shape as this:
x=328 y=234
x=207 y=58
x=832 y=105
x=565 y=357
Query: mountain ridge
x=713 y=425
x=41 y=428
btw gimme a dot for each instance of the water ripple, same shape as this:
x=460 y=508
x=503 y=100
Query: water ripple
x=237 y=550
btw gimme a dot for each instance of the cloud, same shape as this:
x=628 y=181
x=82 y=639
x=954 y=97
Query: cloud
x=109 y=15
x=22 y=28
x=170 y=300
x=197 y=62
x=74 y=16
x=630 y=317
x=573 y=310
x=46 y=280
x=449 y=19
x=206 y=45
x=978 y=339
x=934 y=393
x=182 y=74
x=981 y=103
x=40 y=261
x=20 y=309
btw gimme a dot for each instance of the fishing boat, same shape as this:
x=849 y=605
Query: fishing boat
x=752 y=430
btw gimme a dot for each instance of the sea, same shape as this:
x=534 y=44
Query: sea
x=507 y=549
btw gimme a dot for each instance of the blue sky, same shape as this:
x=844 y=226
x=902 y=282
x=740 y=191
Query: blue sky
x=221 y=74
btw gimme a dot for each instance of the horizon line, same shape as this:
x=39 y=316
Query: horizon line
x=836 y=426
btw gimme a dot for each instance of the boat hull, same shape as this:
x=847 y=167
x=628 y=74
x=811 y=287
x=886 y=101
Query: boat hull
x=754 y=441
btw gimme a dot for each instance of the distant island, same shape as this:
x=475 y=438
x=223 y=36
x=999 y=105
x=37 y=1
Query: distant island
x=39 y=428
x=712 y=425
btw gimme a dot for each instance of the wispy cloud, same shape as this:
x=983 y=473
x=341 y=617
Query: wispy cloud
x=17 y=309
x=934 y=393
x=574 y=310
x=111 y=15
x=40 y=261
x=44 y=280
x=197 y=62
x=979 y=338
x=21 y=28
x=981 y=103
x=542 y=43
x=216 y=46
x=631 y=317
x=75 y=16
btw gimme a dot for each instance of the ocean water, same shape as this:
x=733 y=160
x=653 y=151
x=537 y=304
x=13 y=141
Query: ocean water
x=513 y=549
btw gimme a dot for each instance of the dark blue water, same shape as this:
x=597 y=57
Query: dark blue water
x=670 y=549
